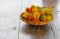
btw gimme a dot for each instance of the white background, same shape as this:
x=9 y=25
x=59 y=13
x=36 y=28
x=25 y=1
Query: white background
x=9 y=17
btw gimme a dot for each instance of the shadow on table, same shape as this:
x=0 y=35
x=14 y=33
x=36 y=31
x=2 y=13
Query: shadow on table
x=35 y=30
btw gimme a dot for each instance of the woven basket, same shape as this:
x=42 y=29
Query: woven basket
x=32 y=23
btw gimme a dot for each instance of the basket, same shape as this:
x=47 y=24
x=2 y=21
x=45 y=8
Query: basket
x=32 y=23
